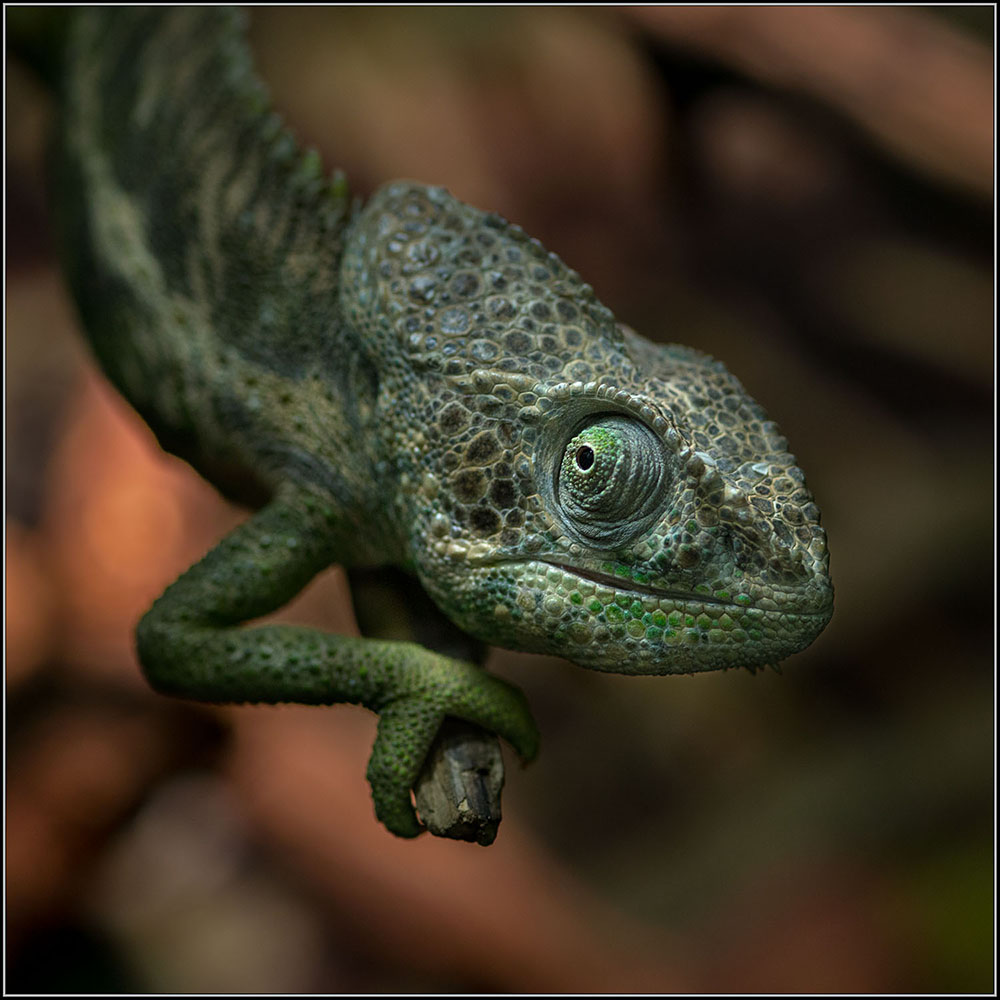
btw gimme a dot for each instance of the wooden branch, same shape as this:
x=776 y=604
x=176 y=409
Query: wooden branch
x=458 y=791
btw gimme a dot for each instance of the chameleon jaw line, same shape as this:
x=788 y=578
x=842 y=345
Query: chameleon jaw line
x=620 y=583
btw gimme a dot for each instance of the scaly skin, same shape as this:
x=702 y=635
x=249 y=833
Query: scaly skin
x=417 y=383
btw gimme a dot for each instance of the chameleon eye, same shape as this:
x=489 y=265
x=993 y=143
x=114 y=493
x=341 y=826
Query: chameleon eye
x=611 y=480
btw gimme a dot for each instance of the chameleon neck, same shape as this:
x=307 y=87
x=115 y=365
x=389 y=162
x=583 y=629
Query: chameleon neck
x=206 y=238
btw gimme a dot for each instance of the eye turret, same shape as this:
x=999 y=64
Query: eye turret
x=612 y=480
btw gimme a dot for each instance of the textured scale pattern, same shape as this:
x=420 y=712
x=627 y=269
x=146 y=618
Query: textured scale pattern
x=413 y=383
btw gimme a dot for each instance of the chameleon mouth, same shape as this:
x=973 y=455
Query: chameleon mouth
x=620 y=583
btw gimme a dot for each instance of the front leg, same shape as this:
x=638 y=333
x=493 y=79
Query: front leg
x=459 y=788
x=190 y=645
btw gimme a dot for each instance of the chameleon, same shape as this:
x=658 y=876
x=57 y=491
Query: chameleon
x=409 y=382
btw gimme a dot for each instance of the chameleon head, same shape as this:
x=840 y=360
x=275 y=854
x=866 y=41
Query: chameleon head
x=568 y=486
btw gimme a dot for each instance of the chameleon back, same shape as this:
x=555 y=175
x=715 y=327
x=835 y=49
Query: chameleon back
x=202 y=248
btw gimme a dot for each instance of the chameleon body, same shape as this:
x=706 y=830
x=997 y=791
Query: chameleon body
x=414 y=383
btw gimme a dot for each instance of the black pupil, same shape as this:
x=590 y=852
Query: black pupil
x=584 y=457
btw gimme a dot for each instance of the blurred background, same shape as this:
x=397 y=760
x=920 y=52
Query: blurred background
x=805 y=193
